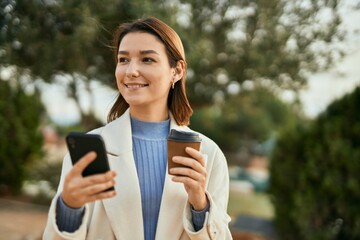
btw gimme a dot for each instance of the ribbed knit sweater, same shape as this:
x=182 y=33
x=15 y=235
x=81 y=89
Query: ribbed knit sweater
x=150 y=154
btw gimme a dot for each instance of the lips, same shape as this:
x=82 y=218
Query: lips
x=135 y=85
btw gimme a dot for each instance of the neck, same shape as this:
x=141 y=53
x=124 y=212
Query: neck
x=150 y=115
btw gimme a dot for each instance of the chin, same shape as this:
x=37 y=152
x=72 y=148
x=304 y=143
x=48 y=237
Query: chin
x=134 y=102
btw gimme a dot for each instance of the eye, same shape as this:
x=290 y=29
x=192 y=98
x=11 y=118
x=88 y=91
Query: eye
x=148 y=60
x=122 y=59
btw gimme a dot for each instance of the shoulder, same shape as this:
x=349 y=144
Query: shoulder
x=97 y=130
x=122 y=122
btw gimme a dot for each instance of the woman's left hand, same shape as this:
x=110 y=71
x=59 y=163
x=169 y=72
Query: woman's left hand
x=193 y=177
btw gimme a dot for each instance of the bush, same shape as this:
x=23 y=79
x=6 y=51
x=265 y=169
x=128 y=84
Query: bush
x=314 y=175
x=20 y=138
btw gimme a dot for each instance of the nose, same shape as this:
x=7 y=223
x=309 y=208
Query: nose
x=132 y=70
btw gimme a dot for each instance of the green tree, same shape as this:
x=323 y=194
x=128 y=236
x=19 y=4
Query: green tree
x=247 y=119
x=66 y=38
x=227 y=41
x=20 y=138
x=314 y=175
x=230 y=42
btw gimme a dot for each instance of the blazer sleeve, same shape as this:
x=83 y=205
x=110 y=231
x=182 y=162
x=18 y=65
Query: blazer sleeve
x=51 y=231
x=216 y=225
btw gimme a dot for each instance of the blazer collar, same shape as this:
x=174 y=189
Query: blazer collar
x=117 y=134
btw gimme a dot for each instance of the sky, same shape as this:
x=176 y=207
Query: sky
x=322 y=89
x=344 y=76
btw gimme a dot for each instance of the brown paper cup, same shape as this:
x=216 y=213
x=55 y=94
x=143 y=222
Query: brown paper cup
x=176 y=148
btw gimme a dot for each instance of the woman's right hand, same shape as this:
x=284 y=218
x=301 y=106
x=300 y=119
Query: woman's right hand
x=79 y=190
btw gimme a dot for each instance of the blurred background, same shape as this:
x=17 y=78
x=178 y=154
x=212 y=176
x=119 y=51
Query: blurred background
x=275 y=83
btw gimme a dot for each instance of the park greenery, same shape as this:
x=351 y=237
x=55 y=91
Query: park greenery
x=242 y=56
x=21 y=141
x=315 y=175
x=229 y=44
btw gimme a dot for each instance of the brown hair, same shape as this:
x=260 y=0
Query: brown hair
x=177 y=99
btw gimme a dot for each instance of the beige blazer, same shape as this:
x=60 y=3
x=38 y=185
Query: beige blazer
x=121 y=216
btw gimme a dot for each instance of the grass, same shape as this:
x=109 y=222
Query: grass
x=254 y=204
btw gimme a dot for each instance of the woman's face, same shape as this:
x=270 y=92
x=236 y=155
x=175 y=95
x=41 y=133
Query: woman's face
x=143 y=73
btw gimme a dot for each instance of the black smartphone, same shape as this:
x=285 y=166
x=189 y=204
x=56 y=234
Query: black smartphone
x=80 y=144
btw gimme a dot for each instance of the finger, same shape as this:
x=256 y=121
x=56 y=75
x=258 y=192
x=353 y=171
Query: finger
x=76 y=195
x=99 y=178
x=102 y=195
x=195 y=154
x=188 y=182
x=79 y=167
x=188 y=172
x=94 y=189
x=189 y=162
x=95 y=179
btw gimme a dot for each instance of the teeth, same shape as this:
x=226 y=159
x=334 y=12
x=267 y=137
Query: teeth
x=135 y=85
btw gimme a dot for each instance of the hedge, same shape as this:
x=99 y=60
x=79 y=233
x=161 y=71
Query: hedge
x=315 y=171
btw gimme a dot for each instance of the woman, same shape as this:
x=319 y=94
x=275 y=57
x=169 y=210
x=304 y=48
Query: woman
x=147 y=203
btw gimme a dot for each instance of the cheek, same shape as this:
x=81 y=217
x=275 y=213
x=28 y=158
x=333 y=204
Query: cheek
x=118 y=72
x=119 y=75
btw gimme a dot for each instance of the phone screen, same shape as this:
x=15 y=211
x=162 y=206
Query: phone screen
x=80 y=144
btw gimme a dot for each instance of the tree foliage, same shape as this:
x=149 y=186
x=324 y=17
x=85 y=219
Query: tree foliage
x=230 y=42
x=248 y=119
x=314 y=173
x=227 y=43
x=20 y=138
x=69 y=38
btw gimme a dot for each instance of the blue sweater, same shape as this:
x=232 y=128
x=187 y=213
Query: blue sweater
x=150 y=154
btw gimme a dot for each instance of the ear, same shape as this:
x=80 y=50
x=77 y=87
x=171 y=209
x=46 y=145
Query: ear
x=179 y=70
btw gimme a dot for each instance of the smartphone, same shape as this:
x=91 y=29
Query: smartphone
x=80 y=144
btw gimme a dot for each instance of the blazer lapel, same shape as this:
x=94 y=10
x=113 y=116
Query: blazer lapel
x=124 y=209
x=173 y=202
x=171 y=210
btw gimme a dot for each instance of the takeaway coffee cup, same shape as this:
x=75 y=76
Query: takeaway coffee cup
x=177 y=141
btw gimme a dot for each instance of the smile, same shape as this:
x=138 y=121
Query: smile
x=135 y=86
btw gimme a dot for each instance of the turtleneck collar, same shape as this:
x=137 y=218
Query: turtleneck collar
x=150 y=130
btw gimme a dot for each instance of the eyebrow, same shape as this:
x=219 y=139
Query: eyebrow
x=142 y=52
